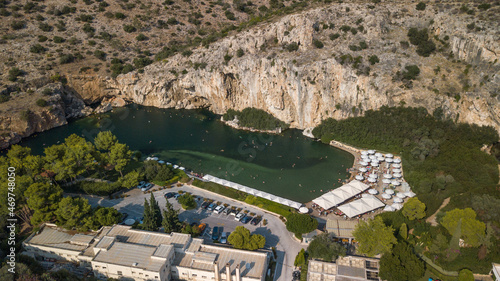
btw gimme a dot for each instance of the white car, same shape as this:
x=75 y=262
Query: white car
x=239 y=216
x=219 y=209
x=223 y=237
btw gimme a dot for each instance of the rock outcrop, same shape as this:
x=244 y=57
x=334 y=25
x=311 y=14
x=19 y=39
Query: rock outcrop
x=306 y=86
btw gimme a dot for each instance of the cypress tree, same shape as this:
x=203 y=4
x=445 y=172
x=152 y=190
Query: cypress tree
x=170 y=221
x=148 y=223
x=155 y=211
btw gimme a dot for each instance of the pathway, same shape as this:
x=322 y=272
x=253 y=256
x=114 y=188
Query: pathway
x=432 y=219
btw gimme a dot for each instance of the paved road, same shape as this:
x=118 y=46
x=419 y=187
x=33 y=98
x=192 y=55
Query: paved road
x=275 y=231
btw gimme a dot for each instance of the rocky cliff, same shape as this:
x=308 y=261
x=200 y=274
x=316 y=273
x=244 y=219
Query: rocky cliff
x=315 y=82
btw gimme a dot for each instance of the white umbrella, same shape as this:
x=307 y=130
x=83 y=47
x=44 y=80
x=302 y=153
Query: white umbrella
x=372 y=191
x=396 y=183
x=378 y=154
x=396 y=170
x=363 y=169
x=389 y=160
x=389 y=155
x=398 y=200
x=374 y=164
x=389 y=191
x=363 y=163
x=359 y=177
x=389 y=208
x=380 y=159
x=397 y=160
x=397 y=166
x=371 y=151
x=303 y=210
x=386 y=196
x=401 y=195
x=386 y=181
x=372 y=180
x=373 y=157
x=397 y=206
x=364 y=156
x=388 y=176
x=367 y=160
x=161 y=162
x=373 y=176
x=364 y=152
x=397 y=175
x=410 y=194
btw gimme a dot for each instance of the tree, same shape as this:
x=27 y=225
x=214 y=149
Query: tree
x=241 y=238
x=74 y=213
x=472 y=230
x=105 y=140
x=414 y=209
x=420 y=6
x=119 y=156
x=403 y=231
x=107 y=216
x=401 y=264
x=300 y=259
x=187 y=201
x=171 y=221
x=43 y=199
x=323 y=247
x=130 y=179
x=374 y=237
x=487 y=207
x=465 y=275
x=155 y=210
x=148 y=222
x=301 y=223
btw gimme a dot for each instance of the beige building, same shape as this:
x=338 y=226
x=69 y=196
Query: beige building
x=130 y=254
x=349 y=268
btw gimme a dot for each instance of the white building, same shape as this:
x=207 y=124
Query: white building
x=346 y=268
x=130 y=254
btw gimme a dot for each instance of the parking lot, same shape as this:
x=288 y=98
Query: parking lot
x=275 y=231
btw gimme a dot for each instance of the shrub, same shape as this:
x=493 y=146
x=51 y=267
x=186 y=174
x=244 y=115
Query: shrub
x=45 y=27
x=420 y=6
x=484 y=6
x=141 y=62
x=66 y=58
x=187 y=53
x=58 y=39
x=345 y=28
x=318 y=44
x=334 y=36
x=100 y=55
x=87 y=28
x=16 y=25
x=411 y=73
x=37 y=49
x=229 y=15
x=129 y=28
x=363 y=45
x=41 y=102
x=120 y=16
x=141 y=37
x=420 y=38
x=47 y=92
x=26 y=114
x=42 y=38
x=227 y=58
x=292 y=47
x=85 y=18
x=14 y=73
x=373 y=59
x=240 y=53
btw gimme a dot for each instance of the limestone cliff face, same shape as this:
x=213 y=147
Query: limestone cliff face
x=305 y=86
x=21 y=117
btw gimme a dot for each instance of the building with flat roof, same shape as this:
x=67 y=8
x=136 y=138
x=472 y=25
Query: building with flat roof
x=496 y=270
x=341 y=228
x=344 y=269
x=125 y=253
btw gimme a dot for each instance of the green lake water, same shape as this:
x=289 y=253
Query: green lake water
x=288 y=165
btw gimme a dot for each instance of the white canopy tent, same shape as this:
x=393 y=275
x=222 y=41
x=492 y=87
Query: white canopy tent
x=252 y=191
x=389 y=208
x=341 y=194
x=303 y=210
x=361 y=206
x=397 y=206
x=410 y=194
x=398 y=200
x=359 y=177
x=401 y=195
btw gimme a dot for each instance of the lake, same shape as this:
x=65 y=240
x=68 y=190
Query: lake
x=288 y=165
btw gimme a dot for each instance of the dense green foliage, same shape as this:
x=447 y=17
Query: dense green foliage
x=152 y=214
x=171 y=222
x=401 y=264
x=441 y=158
x=420 y=38
x=374 y=237
x=187 y=201
x=301 y=223
x=323 y=247
x=414 y=209
x=241 y=238
x=472 y=230
x=301 y=258
x=255 y=118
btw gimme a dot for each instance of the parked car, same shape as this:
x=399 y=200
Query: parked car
x=202 y=227
x=204 y=205
x=256 y=220
x=215 y=233
x=141 y=184
x=212 y=206
x=169 y=195
x=227 y=211
x=239 y=216
x=219 y=209
x=233 y=212
x=177 y=195
x=147 y=186
x=223 y=237
x=246 y=219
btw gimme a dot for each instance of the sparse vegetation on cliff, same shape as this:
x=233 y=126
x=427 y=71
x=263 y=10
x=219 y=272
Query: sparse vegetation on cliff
x=255 y=118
